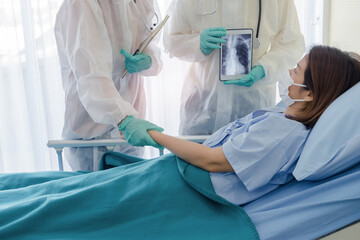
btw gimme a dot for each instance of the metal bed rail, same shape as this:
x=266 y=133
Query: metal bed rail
x=110 y=144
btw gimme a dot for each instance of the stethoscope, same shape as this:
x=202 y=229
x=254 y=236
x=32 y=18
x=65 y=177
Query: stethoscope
x=256 y=43
x=153 y=24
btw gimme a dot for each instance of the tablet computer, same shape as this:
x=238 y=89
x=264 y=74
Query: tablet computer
x=236 y=54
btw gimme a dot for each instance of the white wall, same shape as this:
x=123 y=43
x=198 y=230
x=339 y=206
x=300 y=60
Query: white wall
x=344 y=24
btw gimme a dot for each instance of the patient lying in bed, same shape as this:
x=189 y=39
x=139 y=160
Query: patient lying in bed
x=167 y=197
x=255 y=154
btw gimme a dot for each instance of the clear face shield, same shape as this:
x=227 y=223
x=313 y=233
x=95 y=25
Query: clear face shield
x=148 y=13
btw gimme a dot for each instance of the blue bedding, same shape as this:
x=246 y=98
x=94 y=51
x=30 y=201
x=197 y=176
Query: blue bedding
x=308 y=209
x=132 y=198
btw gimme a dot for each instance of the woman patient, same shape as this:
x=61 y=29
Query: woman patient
x=166 y=197
x=255 y=154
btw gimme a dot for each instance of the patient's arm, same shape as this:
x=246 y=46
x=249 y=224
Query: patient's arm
x=210 y=159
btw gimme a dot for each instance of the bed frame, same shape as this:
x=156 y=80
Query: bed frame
x=349 y=232
x=110 y=144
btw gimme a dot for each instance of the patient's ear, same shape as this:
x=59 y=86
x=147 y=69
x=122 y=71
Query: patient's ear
x=309 y=96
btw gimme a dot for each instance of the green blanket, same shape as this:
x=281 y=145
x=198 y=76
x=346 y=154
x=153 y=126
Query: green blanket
x=132 y=198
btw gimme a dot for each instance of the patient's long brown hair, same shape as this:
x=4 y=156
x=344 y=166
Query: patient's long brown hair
x=329 y=73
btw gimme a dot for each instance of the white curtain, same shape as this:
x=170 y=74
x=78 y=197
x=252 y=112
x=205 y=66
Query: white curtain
x=30 y=88
x=32 y=99
x=311 y=17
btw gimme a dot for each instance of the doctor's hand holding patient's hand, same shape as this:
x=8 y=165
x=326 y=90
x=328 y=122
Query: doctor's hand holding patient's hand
x=136 y=63
x=135 y=132
x=254 y=75
x=210 y=39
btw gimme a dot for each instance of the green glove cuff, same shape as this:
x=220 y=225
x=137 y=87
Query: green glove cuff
x=257 y=73
x=125 y=122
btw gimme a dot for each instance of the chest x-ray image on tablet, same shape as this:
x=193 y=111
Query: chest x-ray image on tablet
x=236 y=54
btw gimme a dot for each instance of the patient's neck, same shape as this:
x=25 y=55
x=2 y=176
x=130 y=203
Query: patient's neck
x=294 y=109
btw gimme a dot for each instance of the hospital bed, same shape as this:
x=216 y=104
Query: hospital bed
x=323 y=201
x=347 y=232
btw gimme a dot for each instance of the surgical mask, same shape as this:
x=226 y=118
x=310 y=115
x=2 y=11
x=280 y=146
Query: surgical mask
x=284 y=83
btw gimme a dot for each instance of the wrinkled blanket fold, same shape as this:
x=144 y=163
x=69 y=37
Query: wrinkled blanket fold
x=131 y=198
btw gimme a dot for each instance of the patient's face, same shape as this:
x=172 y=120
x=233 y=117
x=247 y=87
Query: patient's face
x=297 y=74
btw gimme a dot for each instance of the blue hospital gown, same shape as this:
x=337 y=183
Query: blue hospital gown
x=263 y=148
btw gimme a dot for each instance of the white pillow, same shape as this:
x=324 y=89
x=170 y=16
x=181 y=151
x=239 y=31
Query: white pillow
x=333 y=144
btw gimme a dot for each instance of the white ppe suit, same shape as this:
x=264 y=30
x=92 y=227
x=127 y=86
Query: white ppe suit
x=206 y=103
x=89 y=36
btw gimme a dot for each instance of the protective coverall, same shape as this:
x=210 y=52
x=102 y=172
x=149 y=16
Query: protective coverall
x=206 y=103
x=89 y=36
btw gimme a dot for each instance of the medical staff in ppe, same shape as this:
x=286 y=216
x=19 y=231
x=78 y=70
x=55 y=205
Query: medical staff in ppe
x=96 y=41
x=195 y=33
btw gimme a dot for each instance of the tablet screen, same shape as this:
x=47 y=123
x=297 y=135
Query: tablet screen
x=236 y=54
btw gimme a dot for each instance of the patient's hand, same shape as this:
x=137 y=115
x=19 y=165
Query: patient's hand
x=121 y=135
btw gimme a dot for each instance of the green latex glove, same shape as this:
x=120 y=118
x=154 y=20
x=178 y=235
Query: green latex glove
x=135 y=132
x=136 y=63
x=209 y=39
x=254 y=75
